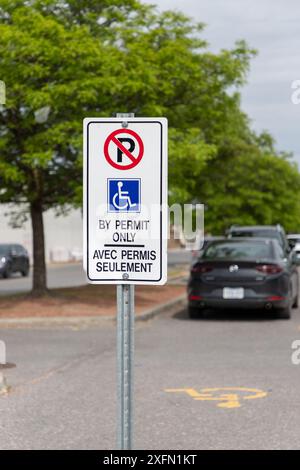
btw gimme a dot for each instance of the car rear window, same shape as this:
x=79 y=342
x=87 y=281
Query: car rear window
x=256 y=233
x=247 y=251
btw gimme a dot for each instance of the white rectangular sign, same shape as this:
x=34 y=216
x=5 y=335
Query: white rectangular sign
x=125 y=200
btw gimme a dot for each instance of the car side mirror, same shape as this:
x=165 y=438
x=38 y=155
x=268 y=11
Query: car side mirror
x=13 y=253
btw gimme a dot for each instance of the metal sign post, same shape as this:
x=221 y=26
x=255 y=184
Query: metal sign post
x=125 y=226
x=125 y=357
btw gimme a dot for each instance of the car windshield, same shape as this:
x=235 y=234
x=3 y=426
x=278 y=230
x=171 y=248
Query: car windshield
x=4 y=249
x=245 y=251
x=294 y=240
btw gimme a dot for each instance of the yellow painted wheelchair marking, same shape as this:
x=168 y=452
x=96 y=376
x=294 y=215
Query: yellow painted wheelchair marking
x=227 y=397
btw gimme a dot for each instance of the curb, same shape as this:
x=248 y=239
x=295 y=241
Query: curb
x=179 y=302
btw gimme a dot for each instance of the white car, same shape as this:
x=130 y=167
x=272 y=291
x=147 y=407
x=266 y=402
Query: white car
x=294 y=243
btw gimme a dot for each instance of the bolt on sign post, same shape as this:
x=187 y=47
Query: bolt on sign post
x=125 y=226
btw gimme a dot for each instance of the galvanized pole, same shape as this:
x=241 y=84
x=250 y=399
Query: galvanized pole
x=125 y=355
x=125 y=327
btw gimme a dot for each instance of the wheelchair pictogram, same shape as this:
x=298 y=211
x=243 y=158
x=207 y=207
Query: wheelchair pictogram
x=123 y=198
x=124 y=195
x=224 y=397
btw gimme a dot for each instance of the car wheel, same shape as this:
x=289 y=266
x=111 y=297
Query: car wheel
x=195 y=312
x=285 y=313
x=25 y=272
x=7 y=273
x=296 y=301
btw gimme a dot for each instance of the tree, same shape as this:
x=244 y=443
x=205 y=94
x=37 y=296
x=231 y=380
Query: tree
x=94 y=58
x=39 y=162
x=250 y=186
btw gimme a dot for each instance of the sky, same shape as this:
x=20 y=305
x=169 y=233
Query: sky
x=273 y=28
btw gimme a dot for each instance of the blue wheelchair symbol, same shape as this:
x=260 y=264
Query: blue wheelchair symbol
x=124 y=195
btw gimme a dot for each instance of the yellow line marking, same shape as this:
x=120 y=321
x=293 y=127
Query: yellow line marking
x=190 y=391
x=227 y=397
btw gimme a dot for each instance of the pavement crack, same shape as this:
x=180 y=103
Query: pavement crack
x=55 y=370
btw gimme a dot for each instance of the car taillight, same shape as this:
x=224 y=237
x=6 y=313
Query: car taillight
x=201 y=268
x=269 y=268
x=274 y=298
x=195 y=297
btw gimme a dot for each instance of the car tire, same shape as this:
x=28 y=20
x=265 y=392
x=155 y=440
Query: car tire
x=284 y=313
x=25 y=272
x=7 y=273
x=195 y=312
x=296 y=301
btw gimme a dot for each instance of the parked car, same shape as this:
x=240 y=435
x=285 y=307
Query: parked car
x=261 y=231
x=294 y=244
x=243 y=273
x=294 y=241
x=195 y=253
x=13 y=258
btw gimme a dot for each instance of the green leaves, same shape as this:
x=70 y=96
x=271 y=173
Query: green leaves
x=252 y=187
x=189 y=155
x=44 y=63
x=96 y=57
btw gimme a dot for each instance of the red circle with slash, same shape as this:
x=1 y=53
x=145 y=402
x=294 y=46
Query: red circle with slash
x=119 y=146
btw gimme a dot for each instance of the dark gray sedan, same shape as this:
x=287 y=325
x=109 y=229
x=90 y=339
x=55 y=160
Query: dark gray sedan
x=244 y=273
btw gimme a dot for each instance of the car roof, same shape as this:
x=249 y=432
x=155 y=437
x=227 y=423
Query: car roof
x=213 y=237
x=255 y=227
x=246 y=239
x=7 y=245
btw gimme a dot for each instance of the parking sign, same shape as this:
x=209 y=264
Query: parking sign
x=125 y=200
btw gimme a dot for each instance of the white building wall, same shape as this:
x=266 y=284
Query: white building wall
x=63 y=234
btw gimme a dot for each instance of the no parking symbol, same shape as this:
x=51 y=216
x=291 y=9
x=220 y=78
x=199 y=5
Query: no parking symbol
x=123 y=149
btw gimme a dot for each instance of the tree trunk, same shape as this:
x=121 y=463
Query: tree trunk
x=39 y=285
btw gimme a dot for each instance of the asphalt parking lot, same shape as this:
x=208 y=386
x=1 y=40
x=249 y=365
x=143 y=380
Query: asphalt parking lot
x=224 y=382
